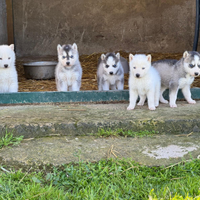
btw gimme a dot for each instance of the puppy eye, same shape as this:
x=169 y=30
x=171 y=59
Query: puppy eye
x=63 y=57
x=198 y=66
x=71 y=56
x=191 y=65
x=134 y=67
x=0 y=58
x=143 y=68
x=114 y=65
x=9 y=58
x=107 y=66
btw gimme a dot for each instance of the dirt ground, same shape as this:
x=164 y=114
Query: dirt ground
x=89 y=79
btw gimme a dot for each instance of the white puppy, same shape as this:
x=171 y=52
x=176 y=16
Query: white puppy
x=144 y=81
x=8 y=73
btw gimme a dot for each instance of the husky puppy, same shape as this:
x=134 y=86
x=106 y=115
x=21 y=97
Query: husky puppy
x=110 y=72
x=144 y=81
x=68 y=71
x=8 y=73
x=177 y=75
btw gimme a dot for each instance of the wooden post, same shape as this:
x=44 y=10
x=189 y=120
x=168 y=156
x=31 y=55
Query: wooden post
x=10 y=25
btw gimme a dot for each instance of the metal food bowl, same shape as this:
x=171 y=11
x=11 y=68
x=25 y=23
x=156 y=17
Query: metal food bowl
x=40 y=70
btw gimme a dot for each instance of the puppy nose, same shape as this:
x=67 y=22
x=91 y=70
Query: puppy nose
x=68 y=63
x=111 y=73
x=137 y=75
x=196 y=73
x=6 y=66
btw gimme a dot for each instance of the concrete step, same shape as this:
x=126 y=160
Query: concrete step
x=33 y=121
x=73 y=125
x=159 y=150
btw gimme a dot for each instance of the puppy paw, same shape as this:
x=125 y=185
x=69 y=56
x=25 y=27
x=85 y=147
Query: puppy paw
x=152 y=108
x=173 y=105
x=164 y=101
x=140 y=104
x=130 y=107
x=192 y=101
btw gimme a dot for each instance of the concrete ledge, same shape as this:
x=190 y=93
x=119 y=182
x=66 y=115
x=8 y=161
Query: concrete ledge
x=79 y=119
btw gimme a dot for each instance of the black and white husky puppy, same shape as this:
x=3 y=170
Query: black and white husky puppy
x=68 y=72
x=178 y=74
x=110 y=72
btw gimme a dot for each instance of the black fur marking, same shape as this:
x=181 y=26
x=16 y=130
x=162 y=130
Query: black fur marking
x=119 y=71
x=67 y=55
x=67 y=48
x=193 y=53
x=110 y=55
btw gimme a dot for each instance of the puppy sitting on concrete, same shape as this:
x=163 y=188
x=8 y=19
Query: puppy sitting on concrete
x=110 y=72
x=68 y=72
x=8 y=73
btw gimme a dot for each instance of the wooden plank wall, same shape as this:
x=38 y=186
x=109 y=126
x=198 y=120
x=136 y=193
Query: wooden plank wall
x=10 y=25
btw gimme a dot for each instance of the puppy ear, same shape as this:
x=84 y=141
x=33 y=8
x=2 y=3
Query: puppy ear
x=118 y=55
x=12 y=46
x=149 y=57
x=74 y=46
x=59 y=48
x=131 y=56
x=103 y=56
x=185 y=54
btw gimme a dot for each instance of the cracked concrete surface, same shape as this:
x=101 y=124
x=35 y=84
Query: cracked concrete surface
x=152 y=151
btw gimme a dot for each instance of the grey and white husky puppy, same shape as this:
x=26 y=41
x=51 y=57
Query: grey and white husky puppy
x=68 y=72
x=110 y=72
x=177 y=75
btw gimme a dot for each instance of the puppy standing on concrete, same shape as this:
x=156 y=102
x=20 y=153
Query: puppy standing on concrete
x=144 y=81
x=177 y=75
x=68 y=71
x=110 y=72
x=8 y=73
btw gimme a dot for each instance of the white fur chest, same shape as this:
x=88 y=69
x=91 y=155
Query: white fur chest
x=111 y=79
x=185 y=81
x=8 y=78
x=141 y=85
x=68 y=76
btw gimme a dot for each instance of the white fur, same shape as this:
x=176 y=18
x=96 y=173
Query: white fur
x=68 y=77
x=144 y=81
x=8 y=73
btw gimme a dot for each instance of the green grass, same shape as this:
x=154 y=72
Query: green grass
x=106 y=179
x=8 y=139
x=124 y=133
